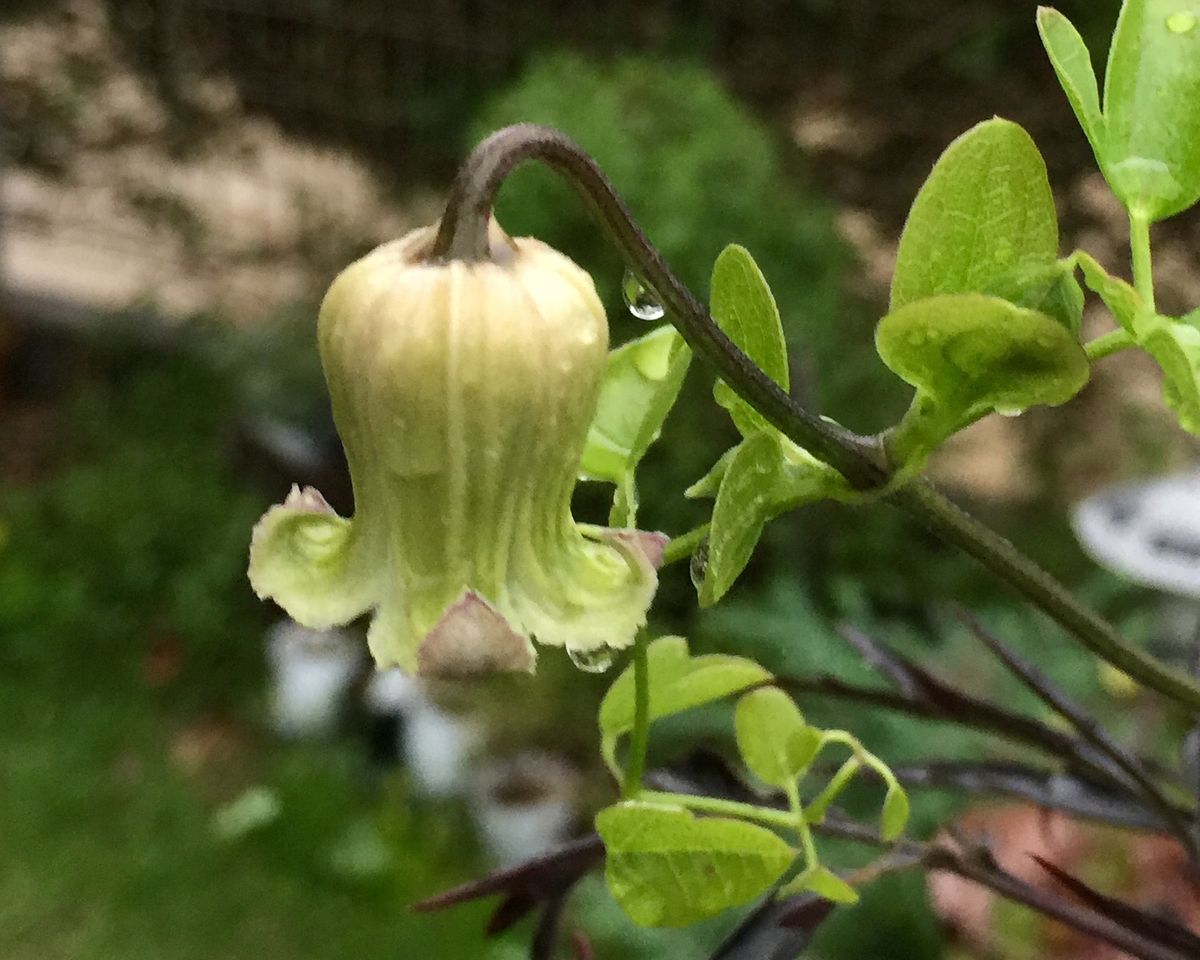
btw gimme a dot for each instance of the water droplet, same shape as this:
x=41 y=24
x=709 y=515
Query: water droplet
x=1182 y=21
x=640 y=301
x=592 y=661
x=1010 y=411
x=698 y=566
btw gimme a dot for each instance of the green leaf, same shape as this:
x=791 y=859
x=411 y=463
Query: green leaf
x=824 y=883
x=968 y=355
x=678 y=682
x=640 y=386
x=1122 y=300
x=709 y=485
x=985 y=210
x=767 y=475
x=1151 y=153
x=894 y=818
x=1047 y=288
x=1073 y=64
x=772 y=737
x=668 y=869
x=1176 y=346
x=743 y=307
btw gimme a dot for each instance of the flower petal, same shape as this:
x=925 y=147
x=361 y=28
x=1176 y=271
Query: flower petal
x=312 y=562
x=473 y=638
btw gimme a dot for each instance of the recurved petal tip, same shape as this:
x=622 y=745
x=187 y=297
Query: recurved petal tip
x=649 y=545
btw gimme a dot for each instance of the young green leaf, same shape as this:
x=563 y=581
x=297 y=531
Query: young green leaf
x=823 y=882
x=772 y=737
x=668 y=869
x=1073 y=64
x=985 y=210
x=678 y=682
x=1049 y=288
x=1176 y=346
x=1151 y=153
x=894 y=817
x=743 y=307
x=969 y=354
x=640 y=386
x=1122 y=300
x=767 y=476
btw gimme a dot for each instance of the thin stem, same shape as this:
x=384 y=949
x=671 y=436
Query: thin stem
x=724 y=808
x=464 y=234
x=1140 y=780
x=815 y=811
x=1106 y=345
x=1143 y=271
x=684 y=545
x=1035 y=584
x=639 y=739
x=800 y=825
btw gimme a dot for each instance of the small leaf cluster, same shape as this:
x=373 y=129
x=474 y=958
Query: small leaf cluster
x=1146 y=138
x=668 y=867
x=766 y=474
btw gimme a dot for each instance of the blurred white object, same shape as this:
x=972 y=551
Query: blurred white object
x=1148 y=532
x=392 y=692
x=524 y=805
x=437 y=747
x=310 y=673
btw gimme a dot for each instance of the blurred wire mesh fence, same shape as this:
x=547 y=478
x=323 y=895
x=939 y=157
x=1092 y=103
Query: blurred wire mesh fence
x=225 y=155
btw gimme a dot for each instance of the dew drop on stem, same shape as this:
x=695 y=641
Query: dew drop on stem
x=638 y=298
x=698 y=566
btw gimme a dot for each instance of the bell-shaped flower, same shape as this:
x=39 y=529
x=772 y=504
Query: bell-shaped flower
x=463 y=392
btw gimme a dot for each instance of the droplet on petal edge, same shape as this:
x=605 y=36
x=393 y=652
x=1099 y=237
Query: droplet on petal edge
x=592 y=661
x=638 y=298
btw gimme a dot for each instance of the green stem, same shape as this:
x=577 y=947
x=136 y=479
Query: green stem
x=815 y=811
x=639 y=739
x=684 y=545
x=768 y=816
x=800 y=825
x=861 y=460
x=1143 y=271
x=1105 y=346
x=1036 y=585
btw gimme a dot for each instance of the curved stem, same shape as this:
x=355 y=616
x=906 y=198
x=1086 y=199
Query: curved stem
x=768 y=816
x=464 y=234
x=1105 y=346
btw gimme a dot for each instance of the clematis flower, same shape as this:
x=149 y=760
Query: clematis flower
x=462 y=392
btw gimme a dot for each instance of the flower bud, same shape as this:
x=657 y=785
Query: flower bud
x=463 y=392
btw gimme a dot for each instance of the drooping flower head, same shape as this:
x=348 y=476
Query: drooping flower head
x=463 y=392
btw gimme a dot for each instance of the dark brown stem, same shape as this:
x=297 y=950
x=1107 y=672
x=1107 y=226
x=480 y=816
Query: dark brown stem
x=463 y=234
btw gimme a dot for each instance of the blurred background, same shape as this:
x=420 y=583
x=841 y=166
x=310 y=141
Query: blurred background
x=184 y=776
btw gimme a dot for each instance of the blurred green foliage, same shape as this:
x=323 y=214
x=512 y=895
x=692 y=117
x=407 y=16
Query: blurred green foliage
x=139 y=538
